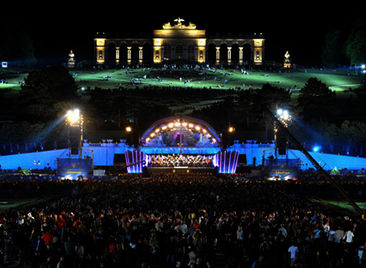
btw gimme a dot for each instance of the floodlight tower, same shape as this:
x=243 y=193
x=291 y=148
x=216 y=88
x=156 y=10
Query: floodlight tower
x=75 y=120
x=280 y=137
x=284 y=128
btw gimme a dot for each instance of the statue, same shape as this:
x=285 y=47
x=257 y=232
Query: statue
x=167 y=26
x=287 y=62
x=179 y=25
x=71 y=60
x=179 y=21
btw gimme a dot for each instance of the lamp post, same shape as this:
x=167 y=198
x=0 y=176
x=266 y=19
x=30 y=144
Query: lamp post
x=227 y=135
x=129 y=131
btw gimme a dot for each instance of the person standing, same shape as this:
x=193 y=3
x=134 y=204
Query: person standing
x=293 y=250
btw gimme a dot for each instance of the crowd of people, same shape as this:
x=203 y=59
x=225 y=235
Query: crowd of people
x=197 y=220
x=180 y=160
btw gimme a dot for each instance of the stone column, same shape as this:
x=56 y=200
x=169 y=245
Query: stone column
x=129 y=55
x=228 y=55
x=217 y=55
x=141 y=54
x=117 y=55
x=240 y=55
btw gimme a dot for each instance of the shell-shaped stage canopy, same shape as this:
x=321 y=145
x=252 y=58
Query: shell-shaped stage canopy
x=180 y=131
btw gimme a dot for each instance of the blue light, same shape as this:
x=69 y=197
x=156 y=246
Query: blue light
x=316 y=148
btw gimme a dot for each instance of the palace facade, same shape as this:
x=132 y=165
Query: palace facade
x=179 y=42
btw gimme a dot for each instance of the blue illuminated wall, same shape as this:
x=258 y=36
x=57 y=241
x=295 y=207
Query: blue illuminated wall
x=327 y=161
x=35 y=160
x=103 y=154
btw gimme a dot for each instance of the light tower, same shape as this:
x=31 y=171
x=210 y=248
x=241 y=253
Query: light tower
x=280 y=137
x=75 y=120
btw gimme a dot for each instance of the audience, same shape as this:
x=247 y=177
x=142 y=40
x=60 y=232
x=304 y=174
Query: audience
x=195 y=220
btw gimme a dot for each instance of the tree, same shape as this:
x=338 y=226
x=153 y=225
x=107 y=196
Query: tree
x=17 y=48
x=272 y=97
x=43 y=89
x=315 y=101
x=333 y=51
x=356 y=46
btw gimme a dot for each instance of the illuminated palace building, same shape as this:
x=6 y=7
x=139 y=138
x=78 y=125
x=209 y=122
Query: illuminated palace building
x=179 y=42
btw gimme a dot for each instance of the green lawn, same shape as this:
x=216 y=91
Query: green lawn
x=6 y=204
x=225 y=79
x=341 y=204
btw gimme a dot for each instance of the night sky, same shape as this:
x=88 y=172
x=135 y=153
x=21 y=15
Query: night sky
x=299 y=27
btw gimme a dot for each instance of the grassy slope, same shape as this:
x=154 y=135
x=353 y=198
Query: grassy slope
x=336 y=81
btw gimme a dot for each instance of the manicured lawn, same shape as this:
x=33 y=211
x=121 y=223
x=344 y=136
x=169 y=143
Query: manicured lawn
x=219 y=79
x=6 y=204
x=342 y=204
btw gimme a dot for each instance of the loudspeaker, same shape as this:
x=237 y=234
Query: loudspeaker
x=281 y=142
x=74 y=139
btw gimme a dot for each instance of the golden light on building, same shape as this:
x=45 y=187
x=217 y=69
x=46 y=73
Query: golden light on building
x=287 y=61
x=100 y=49
x=180 y=41
x=258 y=51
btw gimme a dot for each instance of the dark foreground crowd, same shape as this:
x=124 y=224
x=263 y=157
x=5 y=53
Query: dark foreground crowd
x=177 y=221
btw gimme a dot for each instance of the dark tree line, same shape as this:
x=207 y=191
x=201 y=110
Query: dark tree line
x=346 y=44
x=49 y=92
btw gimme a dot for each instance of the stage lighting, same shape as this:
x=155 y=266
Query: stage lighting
x=363 y=66
x=284 y=116
x=128 y=129
x=316 y=148
x=73 y=116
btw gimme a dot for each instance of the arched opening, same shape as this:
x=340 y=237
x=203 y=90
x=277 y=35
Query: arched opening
x=135 y=54
x=235 y=54
x=111 y=54
x=223 y=54
x=167 y=56
x=179 y=52
x=247 y=54
x=123 y=54
x=180 y=129
x=147 y=54
x=191 y=56
x=211 y=54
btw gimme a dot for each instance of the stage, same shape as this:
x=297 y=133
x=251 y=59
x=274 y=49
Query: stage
x=181 y=144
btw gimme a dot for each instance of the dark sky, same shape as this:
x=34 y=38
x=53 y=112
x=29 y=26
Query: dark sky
x=298 y=27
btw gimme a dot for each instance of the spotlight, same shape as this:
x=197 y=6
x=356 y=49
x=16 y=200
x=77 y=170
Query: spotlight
x=73 y=116
x=128 y=129
x=284 y=116
x=316 y=148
